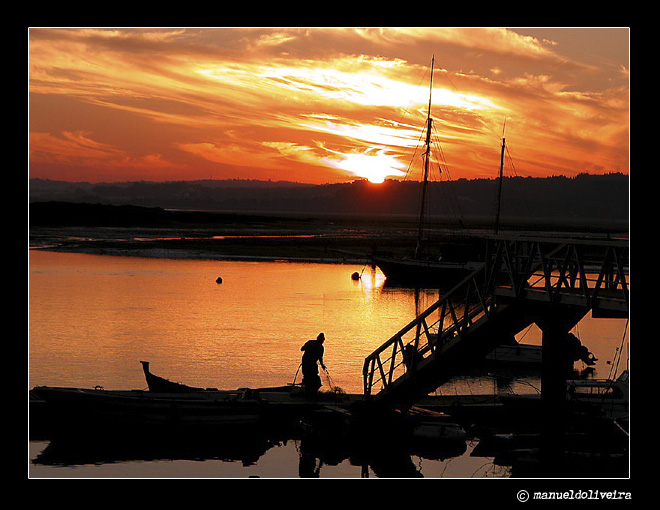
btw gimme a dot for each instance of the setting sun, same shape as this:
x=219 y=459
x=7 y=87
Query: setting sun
x=374 y=166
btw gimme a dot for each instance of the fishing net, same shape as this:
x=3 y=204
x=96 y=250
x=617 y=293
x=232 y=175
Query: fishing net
x=333 y=387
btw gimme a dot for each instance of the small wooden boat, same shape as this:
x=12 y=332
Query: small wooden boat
x=162 y=385
x=167 y=406
x=118 y=411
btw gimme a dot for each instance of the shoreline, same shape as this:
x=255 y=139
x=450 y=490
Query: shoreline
x=156 y=253
x=328 y=248
x=140 y=232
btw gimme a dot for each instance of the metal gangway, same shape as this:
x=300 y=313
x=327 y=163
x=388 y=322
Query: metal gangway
x=548 y=281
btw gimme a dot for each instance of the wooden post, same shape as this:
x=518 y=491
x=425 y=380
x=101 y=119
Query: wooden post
x=555 y=325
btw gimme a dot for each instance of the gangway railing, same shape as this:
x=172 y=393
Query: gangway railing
x=588 y=275
x=593 y=274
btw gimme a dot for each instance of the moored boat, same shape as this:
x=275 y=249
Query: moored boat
x=411 y=270
x=516 y=354
x=160 y=384
x=73 y=410
x=427 y=425
x=430 y=266
x=606 y=397
x=611 y=397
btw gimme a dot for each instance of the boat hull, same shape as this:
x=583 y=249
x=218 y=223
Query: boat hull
x=442 y=274
x=519 y=354
x=603 y=397
x=160 y=384
x=76 y=409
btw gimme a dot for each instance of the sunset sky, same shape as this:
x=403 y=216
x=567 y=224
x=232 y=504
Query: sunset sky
x=323 y=105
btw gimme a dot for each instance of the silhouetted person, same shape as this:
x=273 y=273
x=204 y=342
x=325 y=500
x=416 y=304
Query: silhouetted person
x=312 y=354
x=410 y=356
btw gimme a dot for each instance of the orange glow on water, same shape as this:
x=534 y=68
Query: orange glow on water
x=93 y=318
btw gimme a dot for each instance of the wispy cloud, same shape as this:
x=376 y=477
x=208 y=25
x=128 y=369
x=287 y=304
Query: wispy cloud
x=320 y=103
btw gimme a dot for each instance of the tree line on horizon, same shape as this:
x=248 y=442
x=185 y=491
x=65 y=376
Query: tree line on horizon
x=584 y=196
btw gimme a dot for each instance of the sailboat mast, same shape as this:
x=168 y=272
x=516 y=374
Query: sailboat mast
x=499 y=188
x=427 y=156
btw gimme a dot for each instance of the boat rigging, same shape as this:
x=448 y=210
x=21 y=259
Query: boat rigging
x=427 y=156
x=419 y=267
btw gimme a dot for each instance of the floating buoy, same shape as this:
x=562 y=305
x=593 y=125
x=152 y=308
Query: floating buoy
x=219 y=280
x=355 y=276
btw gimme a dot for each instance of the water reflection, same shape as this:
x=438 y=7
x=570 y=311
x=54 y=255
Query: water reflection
x=96 y=450
x=382 y=453
x=314 y=453
x=92 y=318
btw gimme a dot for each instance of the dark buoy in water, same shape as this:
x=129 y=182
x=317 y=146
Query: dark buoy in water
x=355 y=276
x=218 y=280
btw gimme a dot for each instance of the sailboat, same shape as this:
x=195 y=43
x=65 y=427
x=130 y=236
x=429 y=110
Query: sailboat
x=420 y=268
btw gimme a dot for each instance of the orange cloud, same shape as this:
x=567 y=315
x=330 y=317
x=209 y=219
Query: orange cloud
x=325 y=104
x=76 y=150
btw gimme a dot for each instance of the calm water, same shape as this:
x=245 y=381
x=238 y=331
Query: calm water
x=93 y=318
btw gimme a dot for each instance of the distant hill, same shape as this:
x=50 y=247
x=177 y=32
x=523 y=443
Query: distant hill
x=589 y=199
